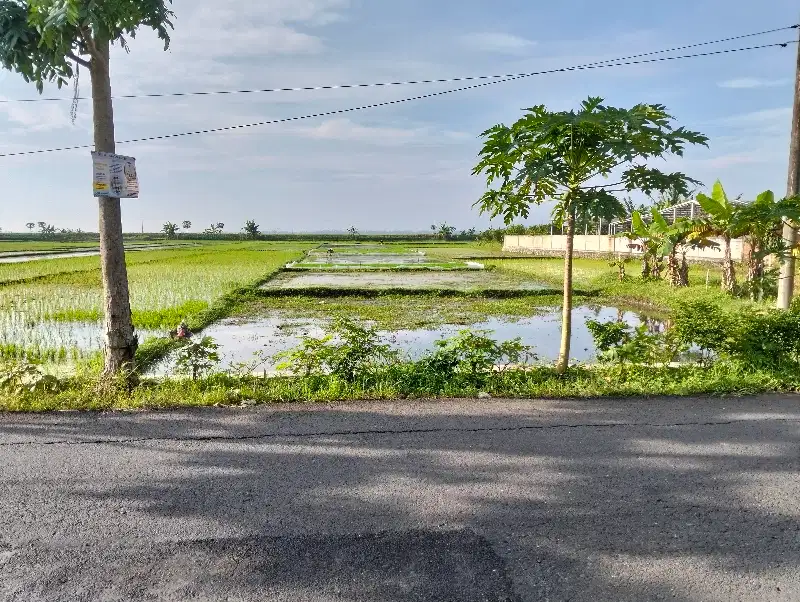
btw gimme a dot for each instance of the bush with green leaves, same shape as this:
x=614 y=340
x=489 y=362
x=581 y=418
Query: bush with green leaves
x=620 y=343
x=24 y=377
x=704 y=326
x=349 y=351
x=198 y=357
x=754 y=336
x=470 y=358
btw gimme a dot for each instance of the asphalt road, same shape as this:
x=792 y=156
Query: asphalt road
x=463 y=501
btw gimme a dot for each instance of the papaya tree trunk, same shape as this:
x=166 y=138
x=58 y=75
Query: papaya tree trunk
x=566 y=318
x=728 y=270
x=119 y=338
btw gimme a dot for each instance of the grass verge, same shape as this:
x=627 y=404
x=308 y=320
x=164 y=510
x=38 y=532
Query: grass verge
x=82 y=393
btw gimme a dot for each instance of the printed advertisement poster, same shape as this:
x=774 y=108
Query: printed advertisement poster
x=115 y=176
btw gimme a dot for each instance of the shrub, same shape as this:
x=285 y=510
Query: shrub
x=197 y=357
x=469 y=359
x=621 y=344
x=349 y=351
x=24 y=377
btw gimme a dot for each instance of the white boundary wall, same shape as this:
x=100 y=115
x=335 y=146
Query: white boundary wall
x=607 y=245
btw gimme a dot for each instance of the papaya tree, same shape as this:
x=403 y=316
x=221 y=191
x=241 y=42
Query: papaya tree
x=569 y=157
x=49 y=41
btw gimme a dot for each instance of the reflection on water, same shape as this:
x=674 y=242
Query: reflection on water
x=239 y=341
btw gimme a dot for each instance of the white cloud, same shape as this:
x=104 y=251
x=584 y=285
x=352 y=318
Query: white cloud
x=37 y=117
x=734 y=159
x=347 y=130
x=766 y=121
x=744 y=83
x=502 y=43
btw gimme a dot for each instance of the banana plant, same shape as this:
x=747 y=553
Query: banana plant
x=661 y=239
x=650 y=239
x=723 y=221
x=680 y=236
x=760 y=223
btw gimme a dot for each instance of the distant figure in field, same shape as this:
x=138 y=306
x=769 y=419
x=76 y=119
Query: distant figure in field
x=182 y=332
x=330 y=253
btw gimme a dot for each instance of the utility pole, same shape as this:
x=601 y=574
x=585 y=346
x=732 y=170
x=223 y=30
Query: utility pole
x=786 y=282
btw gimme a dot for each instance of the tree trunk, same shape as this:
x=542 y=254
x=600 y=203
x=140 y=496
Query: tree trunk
x=655 y=267
x=120 y=340
x=728 y=270
x=673 y=268
x=684 y=272
x=566 y=319
x=646 y=266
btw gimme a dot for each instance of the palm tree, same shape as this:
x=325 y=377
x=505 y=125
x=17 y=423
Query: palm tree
x=353 y=232
x=722 y=221
x=187 y=225
x=30 y=226
x=444 y=231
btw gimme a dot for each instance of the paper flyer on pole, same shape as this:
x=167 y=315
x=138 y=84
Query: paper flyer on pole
x=115 y=176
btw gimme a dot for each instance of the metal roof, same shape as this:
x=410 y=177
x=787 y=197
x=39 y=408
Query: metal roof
x=689 y=210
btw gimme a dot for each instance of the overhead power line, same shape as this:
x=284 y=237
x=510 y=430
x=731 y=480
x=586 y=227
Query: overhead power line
x=398 y=83
x=585 y=67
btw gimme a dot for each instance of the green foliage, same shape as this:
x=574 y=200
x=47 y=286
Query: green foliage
x=621 y=344
x=443 y=231
x=472 y=358
x=43 y=39
x=497 y=234
x=703 y=325
x=349 y=351
x=197 y=357
x=722 y=212
x=764 y=338
x=252 y=229
x=170 y=229
x=554 y=155
x=20 y=377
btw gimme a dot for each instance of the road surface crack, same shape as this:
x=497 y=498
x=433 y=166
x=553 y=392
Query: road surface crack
x=378 y=432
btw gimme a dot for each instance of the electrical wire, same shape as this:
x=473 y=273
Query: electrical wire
x=398 y=83
x=585 y=67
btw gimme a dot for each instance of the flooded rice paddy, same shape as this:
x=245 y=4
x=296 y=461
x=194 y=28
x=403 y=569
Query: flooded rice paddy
x=242 y=341
x=376 y=258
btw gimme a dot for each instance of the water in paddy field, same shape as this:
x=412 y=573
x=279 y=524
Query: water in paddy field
x=240 y=340
x=25 y=256
x=353 y=258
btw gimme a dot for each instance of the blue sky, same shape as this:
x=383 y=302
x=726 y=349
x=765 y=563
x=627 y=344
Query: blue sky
x=392 y=168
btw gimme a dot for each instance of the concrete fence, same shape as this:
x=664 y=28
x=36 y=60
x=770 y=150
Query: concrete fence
x=588 y=245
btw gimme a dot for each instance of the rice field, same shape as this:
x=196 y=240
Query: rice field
x=51 y=310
